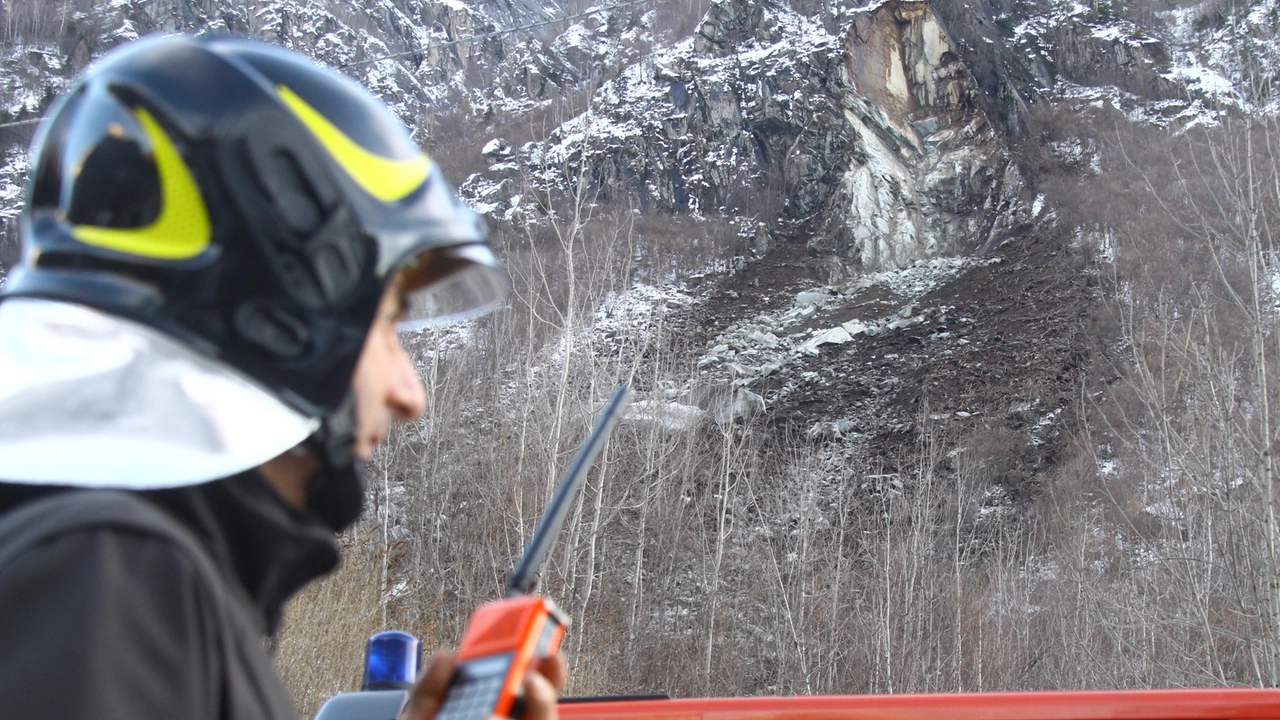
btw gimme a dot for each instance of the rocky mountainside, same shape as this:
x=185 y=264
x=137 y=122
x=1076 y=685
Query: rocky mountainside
x=865 y=128
x=878 y=133
x=900 y=267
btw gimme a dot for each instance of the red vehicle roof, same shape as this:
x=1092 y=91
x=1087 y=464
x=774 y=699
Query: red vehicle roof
x=1215 y=704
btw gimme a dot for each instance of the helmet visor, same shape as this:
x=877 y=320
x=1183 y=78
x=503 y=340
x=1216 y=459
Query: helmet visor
x=91 y=400
x=451 y=283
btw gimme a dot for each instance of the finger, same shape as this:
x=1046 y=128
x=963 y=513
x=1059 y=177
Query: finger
x=539 y=697
x=428 y=692
x=554 y=669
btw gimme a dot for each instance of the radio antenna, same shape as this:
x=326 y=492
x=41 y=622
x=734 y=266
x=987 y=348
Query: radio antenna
x=524 y=578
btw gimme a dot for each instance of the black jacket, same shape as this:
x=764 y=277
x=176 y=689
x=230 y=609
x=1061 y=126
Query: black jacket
x=140 y=605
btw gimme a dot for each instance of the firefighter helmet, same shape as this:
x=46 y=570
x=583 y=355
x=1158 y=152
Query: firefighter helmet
x=210 y=225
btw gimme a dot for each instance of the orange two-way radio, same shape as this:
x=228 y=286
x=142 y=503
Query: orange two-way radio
x=505 y=636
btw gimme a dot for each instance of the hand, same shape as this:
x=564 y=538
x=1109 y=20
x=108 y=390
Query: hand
x=542 y=688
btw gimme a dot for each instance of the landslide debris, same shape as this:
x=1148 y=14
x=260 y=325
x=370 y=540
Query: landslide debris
x=996 y=346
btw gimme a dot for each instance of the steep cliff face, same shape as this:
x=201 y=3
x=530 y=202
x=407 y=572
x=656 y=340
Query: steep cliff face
x=1024 y=51
x=861 y=133
x=936 y=177
x=879 y=134
x=875 y=134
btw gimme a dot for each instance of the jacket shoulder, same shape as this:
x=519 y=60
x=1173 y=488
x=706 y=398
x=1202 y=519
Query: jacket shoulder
x=113 y=609
x=105 y=613
x=78 y=510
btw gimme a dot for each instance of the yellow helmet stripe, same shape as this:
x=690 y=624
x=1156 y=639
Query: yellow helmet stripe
x=181 y=230
x=386 y=179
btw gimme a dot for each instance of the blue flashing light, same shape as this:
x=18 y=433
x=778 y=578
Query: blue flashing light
x=391 y=661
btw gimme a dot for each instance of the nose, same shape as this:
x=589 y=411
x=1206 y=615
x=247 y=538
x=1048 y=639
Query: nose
x=406 y=396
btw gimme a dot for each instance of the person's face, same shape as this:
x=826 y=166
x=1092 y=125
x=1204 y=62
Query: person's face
x=386 y=386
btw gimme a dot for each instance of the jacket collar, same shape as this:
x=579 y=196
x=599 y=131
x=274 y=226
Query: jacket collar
x=267 y=549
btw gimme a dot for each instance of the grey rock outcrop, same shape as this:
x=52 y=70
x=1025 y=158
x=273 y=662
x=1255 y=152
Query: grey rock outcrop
x=860 y=133
x=1020 y=50
x=936 y=176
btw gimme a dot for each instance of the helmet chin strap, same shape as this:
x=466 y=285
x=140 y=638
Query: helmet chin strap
x=336 y=492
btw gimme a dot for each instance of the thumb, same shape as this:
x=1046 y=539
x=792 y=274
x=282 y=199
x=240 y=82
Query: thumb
x=428 y=692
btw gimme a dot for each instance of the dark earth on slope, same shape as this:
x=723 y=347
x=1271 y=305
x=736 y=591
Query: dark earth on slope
x=1003 y=356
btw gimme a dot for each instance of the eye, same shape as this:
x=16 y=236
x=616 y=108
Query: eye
x=401 y=306
x=394 y=307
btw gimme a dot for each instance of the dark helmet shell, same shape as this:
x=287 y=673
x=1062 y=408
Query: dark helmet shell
x=240 y=198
